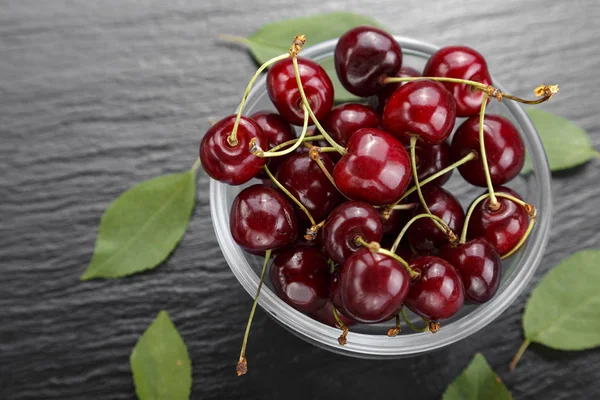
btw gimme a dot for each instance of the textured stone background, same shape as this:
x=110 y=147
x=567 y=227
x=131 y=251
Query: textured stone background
x=96 y=96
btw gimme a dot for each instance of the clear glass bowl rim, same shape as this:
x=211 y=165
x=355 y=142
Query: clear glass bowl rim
x=381 y=346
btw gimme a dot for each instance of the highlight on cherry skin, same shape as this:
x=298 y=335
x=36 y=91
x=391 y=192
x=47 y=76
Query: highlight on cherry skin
x=358 y=236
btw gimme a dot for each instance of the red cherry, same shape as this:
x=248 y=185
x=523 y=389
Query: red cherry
x=373 y=286
x=460 y=62
x=285 y=95
x=422 y=108
x=346 y=222
x=300 y=276
x=504 y=149
x=396 y=221
x=325 y=316
x=438 y=293
x=363 y=57
x=344 y=120
x=502 y=228
x=232 y=164
x=378 y=102
x=277 y=131
x=302 y=176
x=335 y=296
x=479 y=267
x=432 y=159
x=261 y=219
x=424 y=235
x=375 y=168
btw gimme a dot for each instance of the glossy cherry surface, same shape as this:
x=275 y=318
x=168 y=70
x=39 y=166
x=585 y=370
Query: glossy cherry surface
x=325 y=316
x=504 y=149
x=502 y=228
x=346 y=222
x=460 y=62
x=302 y=176
x=379 y=101
x=431 y=159
x=344 y=120
x=373 y=286
x=285 y=95
x=261 y=218
x=421 y=108
x=232 y=164
x=438 y=293
x=277 y=131
x=375 y=169
x=479 y=266
x=363 y=57
x=424 y=235
x=300 y=276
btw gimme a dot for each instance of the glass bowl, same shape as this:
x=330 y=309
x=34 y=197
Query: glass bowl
x=370 y=341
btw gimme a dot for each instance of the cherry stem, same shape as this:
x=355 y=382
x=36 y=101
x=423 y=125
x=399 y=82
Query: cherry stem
x=545 y=92
x=291 y=196
x=445 y=227
x=331 y=265
x=376 y=248
x=523 y=239
x=486 y=169
x=327 y=149
x=293 y=141
x=471 y=156
x=232 y=138
x=332 y=142
x=392 y=332
x=517 y=357
x=242 y=365
x=411 y=325
x=311 y=233
x=271 y=153
x=528 y=207
x=196 y=165
x=314 y=155
x=342 y=339
x=407 y=206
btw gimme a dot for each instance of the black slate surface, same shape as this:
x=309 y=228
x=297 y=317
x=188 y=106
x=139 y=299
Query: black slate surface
x=96 y=96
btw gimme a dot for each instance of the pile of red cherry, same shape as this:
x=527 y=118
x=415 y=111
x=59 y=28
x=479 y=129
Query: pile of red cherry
x=335 y=203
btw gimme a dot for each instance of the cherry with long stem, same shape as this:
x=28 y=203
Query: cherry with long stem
x=445 y=226
x=242 y=365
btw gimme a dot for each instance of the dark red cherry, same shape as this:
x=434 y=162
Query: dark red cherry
x=344 y=120
x=424 y=235
x=502 y=228
x=325 y=316
x=378 y=102
x=261 y=218
x=460 y=62
x=285 y=95
x=364 y=56
x=232 y=164
x=438 y=293
x=277 y=131
x=375 y=168
x=373 y=286
x=300 y=276
x=422 y=108
x=431 y=159
x=346 y=222
x=302 y=176
x=335 y=296
x=504 y=149
x=479 y=266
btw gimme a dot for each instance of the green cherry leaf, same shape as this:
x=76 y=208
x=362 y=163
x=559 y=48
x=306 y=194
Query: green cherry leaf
x=563 y=311
x=566 y=144
x=142 y=226
x=275 y=39
x=160 y=363
x=477 y=382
